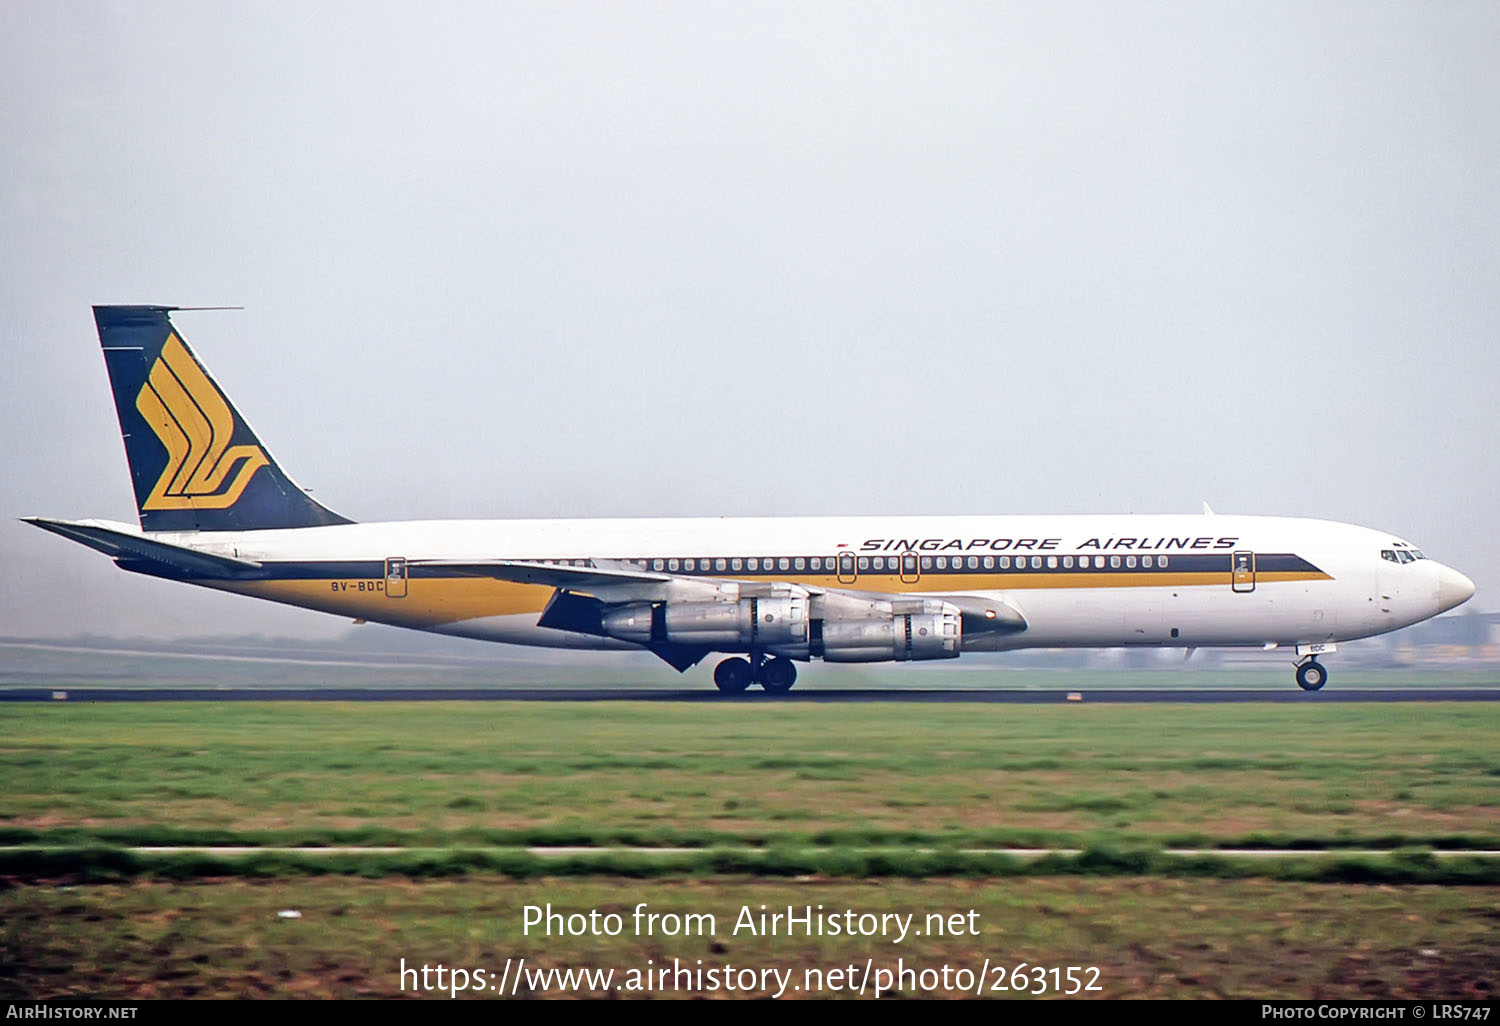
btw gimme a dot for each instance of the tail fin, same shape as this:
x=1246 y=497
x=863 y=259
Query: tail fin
x=195 y=463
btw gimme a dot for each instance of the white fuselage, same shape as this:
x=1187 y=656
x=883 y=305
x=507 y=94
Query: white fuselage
x=1085 y=581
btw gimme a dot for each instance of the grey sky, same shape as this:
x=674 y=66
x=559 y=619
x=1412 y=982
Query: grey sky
x=683 y=259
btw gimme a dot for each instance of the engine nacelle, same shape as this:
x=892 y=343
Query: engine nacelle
x=630 y=623
x=925 y=635
x=771 y=622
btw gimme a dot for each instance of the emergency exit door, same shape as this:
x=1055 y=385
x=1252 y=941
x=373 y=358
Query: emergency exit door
x=847 y=568
x=911 y=568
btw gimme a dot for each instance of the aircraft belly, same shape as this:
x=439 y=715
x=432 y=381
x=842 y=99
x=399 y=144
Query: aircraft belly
x=1283 y=612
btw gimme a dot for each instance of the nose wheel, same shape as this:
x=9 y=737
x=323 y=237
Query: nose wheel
x=1311 y=675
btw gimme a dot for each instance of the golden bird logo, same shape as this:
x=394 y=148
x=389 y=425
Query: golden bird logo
x=195 y=423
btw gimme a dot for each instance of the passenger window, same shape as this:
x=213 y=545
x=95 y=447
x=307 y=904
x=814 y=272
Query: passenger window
x=973 y=562
x=1051 y=562
x=926 y=562
x=1036 y=562
x=734 y=564
x=1161 y=561
x=1067 y=562
x=798 y=563
x=1148 y=561
x=1114 y=562
x=784 y=563
x=816 y=562
x=864 y=562
x=989 y=562
x=672 y=564
x=1004 y=562
x=718 y=564
x=1129 y=562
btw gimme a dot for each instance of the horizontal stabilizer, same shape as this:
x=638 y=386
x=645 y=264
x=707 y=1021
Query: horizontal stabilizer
x=131 y=550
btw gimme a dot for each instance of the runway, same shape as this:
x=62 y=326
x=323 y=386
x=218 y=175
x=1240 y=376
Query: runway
x=1012 y=696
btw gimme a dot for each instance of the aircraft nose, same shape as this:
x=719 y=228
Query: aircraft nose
x=1454 y=589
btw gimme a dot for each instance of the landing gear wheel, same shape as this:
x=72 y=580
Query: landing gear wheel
x=732 y=676
x=1311 y=675
x=778 y=676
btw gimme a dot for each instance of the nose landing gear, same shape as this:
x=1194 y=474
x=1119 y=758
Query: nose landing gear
x=1311 y=674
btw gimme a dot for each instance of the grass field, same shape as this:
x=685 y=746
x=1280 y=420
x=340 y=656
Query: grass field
x=505 y=773
x=1148 y=937
x=926 y=779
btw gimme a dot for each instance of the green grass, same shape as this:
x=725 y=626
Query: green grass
x=492 y=773
x=861 y=806
x=1150 y=937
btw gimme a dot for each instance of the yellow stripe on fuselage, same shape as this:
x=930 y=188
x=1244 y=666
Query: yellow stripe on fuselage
x=428 y=601
x=432 y=601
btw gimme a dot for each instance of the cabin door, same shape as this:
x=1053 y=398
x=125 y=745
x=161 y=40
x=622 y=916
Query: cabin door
x=395 y=577
x=1242 y=572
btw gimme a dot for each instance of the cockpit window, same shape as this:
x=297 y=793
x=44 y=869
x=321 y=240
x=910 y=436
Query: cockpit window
x=1388 y=554
x=1405 y=557
x=1418 y=553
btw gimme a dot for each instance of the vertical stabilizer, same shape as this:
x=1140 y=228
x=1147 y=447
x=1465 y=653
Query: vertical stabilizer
x=195 y=463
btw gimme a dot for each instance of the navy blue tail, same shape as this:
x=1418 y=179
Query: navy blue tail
x=195 y=463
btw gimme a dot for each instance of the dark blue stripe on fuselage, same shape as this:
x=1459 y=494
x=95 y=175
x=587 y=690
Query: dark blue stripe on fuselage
x=770 y=567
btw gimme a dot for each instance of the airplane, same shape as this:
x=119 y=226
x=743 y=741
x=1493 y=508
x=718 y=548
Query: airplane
x=216 y=510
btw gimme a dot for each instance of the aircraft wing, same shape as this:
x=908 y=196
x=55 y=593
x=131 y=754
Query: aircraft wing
x=556 y=575
x=609 y=583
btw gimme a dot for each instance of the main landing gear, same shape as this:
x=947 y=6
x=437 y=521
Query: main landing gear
x=776 y=676
x=1311 y=674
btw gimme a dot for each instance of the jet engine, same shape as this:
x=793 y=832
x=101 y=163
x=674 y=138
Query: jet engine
x=925 y=635
x=771 y=622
